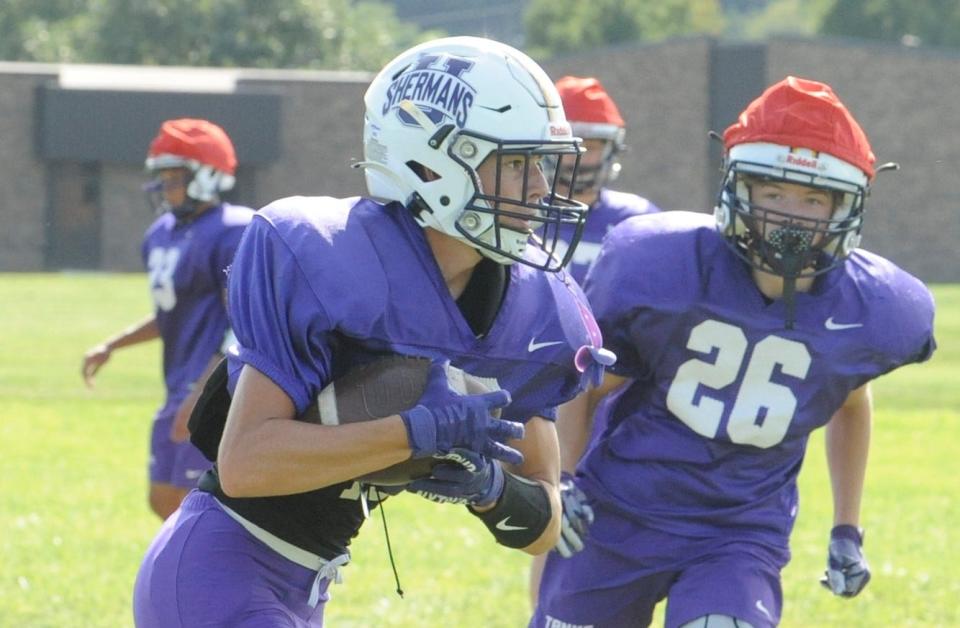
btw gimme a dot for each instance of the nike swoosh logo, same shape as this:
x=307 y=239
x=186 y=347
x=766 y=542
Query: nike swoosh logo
x=832 y=326
x=534 y=345
x=503 y=525
x=763 y=609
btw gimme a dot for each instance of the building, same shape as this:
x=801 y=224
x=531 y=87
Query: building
x=75 y=138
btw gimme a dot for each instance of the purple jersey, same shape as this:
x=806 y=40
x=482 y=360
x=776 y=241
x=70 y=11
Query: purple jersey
x=711 y=433
x=186 y=264
x=610 y=209
x=320 y=285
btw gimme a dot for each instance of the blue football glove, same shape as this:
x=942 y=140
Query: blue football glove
x=577 y=517
x=443 y=420
x=847 y=570
x=461 y=477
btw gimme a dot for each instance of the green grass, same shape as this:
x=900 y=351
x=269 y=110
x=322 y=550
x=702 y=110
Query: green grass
x=74 y=520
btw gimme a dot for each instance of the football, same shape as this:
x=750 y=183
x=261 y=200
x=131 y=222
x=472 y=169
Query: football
x=384 y=387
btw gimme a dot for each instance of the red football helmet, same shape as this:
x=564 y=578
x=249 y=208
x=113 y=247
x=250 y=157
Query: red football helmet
x=797 y=131
x=201 y=147
x=593 y=116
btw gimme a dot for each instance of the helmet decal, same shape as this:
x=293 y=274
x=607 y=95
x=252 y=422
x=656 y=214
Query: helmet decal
x=435 y=84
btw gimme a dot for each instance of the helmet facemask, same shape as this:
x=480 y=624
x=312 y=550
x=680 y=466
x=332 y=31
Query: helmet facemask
x=502 y=225
x=203 y=152
x=591 y=177
x=796 y=132
x=784 y=244
x=157 y=199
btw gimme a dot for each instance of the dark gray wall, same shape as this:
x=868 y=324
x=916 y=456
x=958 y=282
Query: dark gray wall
x=905 y=99
x=908 y=102
x=662 y=92
x=670 y=93
x=22 y=175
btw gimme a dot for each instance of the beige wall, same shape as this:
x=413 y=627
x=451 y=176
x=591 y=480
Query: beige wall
x=905 y=99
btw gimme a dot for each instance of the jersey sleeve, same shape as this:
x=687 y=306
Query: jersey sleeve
x=226 y=250
x=911 y=309
x=613 y=303
x=281 y=325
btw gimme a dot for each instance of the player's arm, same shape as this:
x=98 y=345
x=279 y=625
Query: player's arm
x=541 y=465
x=575 y=420
x=179 y=431
x=848 y=441
x=264 y=451
x=847 y=444
x=98 y=355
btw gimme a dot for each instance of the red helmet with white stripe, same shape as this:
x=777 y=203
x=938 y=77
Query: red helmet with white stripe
x=593 y=115
x=799 y=132
x=201 y=147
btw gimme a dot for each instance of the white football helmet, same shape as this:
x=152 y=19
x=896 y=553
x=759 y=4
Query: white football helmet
x=437 y=111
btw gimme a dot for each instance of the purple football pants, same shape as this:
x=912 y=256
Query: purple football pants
x=205 y=569
x=179 y=464
x=625 y=570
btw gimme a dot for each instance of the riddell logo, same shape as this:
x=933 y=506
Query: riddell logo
x=559 y=130
x=805 y=162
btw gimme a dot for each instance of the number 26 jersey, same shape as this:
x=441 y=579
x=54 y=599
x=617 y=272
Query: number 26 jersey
x=709 y=437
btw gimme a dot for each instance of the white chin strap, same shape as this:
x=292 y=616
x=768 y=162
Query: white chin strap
x=514 y=242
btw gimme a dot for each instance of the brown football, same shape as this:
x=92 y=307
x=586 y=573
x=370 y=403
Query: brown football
x=388 y=386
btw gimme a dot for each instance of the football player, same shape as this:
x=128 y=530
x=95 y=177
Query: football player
x=736 y=337
x=595 y=118
x=445 y=260
x=185 y=251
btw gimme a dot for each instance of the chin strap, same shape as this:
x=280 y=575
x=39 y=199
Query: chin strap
x=791 y=267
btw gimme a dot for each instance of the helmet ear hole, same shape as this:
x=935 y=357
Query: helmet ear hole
x=424 y=173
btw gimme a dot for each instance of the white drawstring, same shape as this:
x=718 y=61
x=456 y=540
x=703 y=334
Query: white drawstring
x=329 y=571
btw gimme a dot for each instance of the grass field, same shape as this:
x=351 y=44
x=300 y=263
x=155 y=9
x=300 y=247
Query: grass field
x=74 y=521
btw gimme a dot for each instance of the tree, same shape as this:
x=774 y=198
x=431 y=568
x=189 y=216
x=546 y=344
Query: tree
x=934 y=22
x=328 y=34
x=778 y=17
x=42 y=30
x=564 y=26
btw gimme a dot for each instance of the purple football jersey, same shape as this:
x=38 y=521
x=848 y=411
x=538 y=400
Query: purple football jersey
x=186 y=265
x=712 y=432
x=320 y=285
x=610 y=209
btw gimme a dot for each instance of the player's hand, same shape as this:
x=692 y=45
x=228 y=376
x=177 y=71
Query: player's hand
x=461 y=477
x=92 y=361
x=443 y=420
x=577 y=517
x=847 y=570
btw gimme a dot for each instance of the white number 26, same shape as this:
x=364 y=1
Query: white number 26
x=762 y=410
